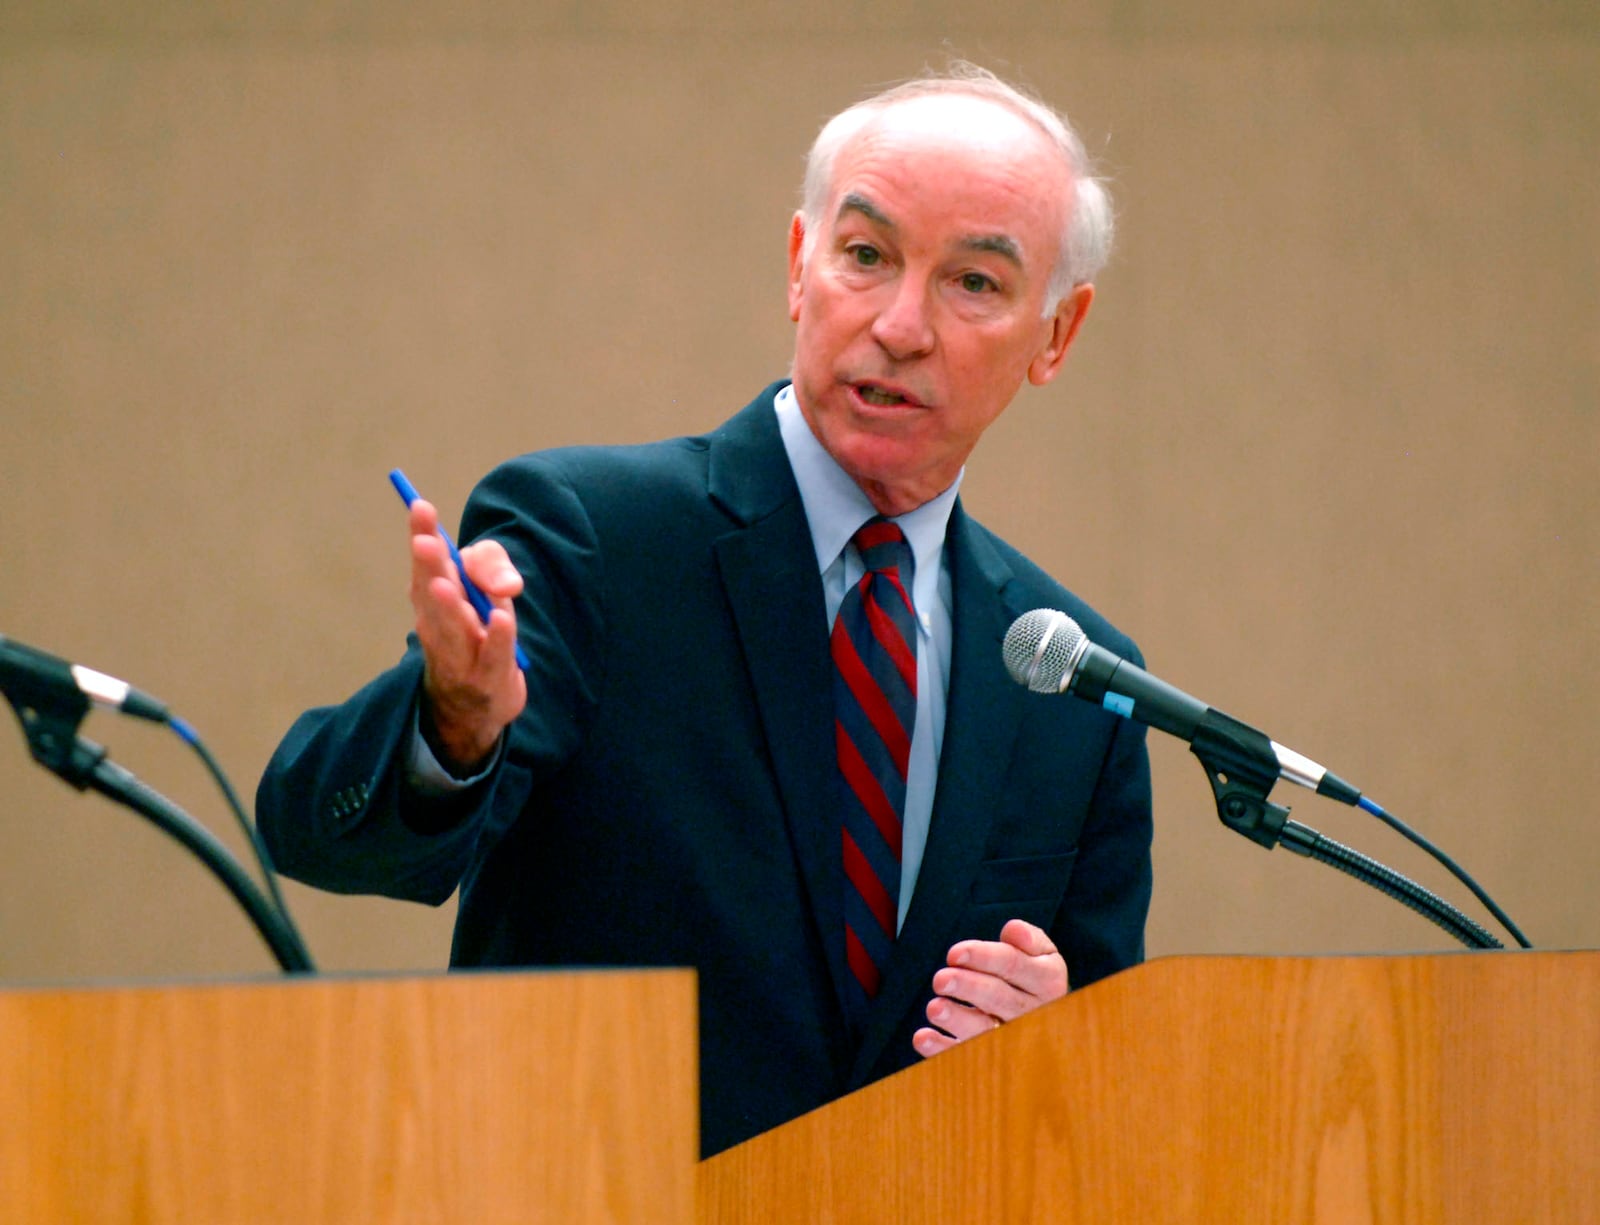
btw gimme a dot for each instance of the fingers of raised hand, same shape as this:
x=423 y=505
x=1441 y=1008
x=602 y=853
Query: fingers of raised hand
x=489 y=567
x=429 y=557
x=454 y=636
x=471 y=664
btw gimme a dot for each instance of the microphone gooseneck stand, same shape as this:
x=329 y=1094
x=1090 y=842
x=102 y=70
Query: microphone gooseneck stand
x=1241 y=766
x=50 y=721
x=1303 y=840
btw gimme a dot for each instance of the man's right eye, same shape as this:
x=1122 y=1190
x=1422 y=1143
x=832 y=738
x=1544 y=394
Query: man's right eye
x=864 y=255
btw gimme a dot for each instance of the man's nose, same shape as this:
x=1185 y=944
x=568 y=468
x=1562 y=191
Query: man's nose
x=904 y=327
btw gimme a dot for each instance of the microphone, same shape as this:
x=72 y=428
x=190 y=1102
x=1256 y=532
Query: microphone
x=1047 y=652
x=30 y=677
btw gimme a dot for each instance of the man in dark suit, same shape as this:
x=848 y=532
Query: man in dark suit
x=665 y=783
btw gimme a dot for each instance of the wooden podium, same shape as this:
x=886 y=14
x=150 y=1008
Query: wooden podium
x=1445 y=1088
x=565 y=1097
x=1451 y=1088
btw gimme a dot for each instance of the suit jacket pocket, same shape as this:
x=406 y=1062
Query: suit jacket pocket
x=1030 y=878
x=1028 y=887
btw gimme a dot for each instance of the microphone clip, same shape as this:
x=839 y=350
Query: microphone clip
x=50 y=723
x=1241 y=766
x=51 y=712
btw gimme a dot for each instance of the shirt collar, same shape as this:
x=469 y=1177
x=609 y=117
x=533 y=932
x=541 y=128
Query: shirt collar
x=836 y=506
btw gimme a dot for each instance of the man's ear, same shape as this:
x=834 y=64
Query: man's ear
x=797 y=263
x=1064 y=325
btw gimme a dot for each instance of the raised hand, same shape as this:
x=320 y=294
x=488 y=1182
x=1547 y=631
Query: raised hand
x=472 y=687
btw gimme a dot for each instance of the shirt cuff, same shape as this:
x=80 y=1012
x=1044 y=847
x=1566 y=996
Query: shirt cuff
x=427 y=776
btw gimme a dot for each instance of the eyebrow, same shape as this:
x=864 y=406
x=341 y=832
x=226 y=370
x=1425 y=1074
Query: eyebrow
x=997 y=244
x=855 y=202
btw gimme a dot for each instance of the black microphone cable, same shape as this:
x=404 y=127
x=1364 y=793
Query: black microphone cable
x=263 y=857
x=1405 y=831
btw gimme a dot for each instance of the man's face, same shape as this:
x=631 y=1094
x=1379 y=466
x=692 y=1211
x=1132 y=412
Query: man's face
x=919 y=307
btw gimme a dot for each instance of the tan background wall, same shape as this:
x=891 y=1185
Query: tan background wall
x=1327 y=447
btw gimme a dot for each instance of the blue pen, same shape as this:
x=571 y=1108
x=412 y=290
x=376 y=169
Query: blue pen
x=408 y=495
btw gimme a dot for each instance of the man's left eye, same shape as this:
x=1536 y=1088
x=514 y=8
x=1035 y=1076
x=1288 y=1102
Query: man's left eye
x=976 y=282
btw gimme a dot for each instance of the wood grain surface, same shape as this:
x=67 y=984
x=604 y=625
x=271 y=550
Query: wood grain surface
x=492 y=1097
x=1445 y=1088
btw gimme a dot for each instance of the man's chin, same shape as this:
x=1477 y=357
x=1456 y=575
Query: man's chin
x=897 y=477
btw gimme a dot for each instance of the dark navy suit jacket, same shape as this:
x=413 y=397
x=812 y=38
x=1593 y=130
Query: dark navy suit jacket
x=664 y=799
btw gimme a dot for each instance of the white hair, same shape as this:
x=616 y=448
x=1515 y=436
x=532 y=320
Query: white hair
x=1086 y=239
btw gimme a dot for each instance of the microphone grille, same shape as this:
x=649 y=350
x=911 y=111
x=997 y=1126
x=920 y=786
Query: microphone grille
x=1042 y=650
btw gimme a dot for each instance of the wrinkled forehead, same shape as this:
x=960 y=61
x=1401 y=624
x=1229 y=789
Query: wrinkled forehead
x=976 y=155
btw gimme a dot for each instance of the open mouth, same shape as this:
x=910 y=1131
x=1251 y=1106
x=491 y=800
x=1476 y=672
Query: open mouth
x=882 y=397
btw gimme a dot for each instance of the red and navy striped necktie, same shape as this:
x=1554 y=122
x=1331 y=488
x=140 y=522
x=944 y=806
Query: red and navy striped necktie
x=874 y=647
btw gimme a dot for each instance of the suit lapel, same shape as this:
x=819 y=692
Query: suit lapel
x=981 y=723
x=770 y=579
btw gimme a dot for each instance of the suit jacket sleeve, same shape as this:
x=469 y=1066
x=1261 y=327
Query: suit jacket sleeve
x=333 y=804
